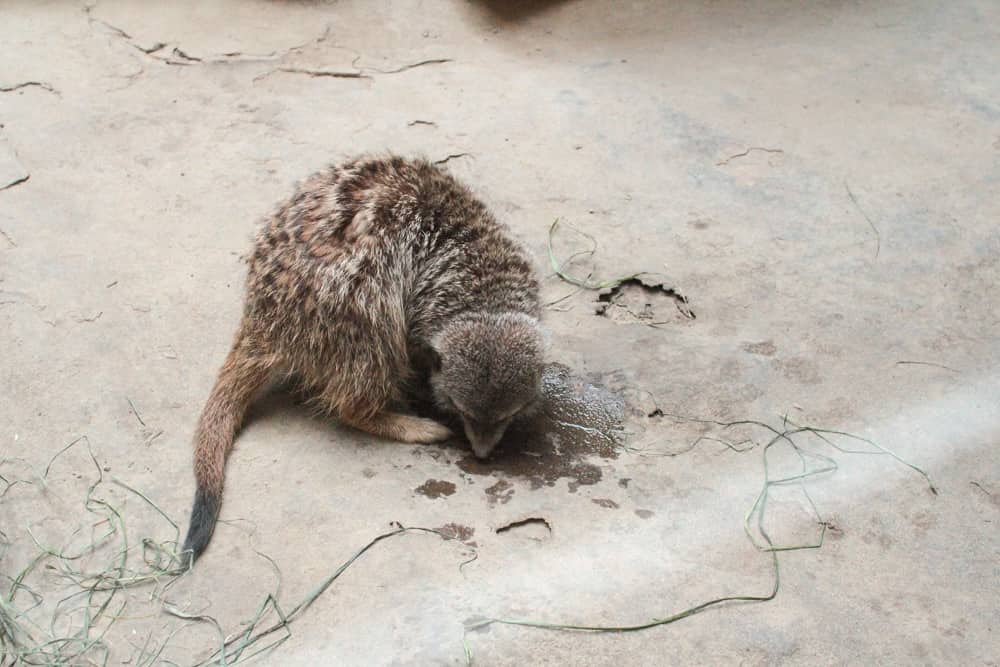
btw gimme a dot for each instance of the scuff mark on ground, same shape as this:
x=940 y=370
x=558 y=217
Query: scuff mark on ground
x=93 y=318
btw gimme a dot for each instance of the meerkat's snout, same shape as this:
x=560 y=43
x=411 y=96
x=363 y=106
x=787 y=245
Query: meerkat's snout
x=483 y=439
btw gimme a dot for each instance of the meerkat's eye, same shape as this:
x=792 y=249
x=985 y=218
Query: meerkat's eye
x=459 y=409
x=512 y=413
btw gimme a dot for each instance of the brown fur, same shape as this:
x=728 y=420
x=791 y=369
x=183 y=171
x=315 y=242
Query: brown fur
x=380 y=282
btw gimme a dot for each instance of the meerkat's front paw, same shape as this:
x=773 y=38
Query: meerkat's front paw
x=421 y=430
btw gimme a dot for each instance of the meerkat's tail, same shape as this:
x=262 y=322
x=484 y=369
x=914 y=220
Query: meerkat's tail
x=242 y=376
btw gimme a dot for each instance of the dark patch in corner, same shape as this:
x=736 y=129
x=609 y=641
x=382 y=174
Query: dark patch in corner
x=577 y=421
x=435 y=488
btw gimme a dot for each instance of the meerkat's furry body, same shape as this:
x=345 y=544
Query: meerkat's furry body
x=379 y=279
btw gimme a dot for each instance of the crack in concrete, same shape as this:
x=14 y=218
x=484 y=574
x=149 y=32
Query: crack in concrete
x=357 y=73
x=179 y=57
x=453 y=156
x=402 y=68
x=747 y=152
x=878 y=236
x=315 y=73
x=30 y=84
x=607 y=297
x=16 y=182
x=532 y=520
x=927 y=363
x=981 y=488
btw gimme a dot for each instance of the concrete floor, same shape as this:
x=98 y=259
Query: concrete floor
x=820 y=179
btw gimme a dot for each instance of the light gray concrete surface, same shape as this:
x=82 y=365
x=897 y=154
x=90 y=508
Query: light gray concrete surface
x=820 y=179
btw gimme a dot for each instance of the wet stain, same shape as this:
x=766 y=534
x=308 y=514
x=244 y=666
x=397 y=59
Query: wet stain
x=457 y=531
x=644 y=514
x=606 y=503
x=766 y=348
x=577 y=422
x=501 y=492
x=435 y=488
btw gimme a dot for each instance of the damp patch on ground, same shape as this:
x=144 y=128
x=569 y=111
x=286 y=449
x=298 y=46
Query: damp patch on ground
x=457 y=531
x=435 y=488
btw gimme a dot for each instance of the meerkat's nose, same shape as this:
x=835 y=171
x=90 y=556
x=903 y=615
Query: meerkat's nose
x=483 y=442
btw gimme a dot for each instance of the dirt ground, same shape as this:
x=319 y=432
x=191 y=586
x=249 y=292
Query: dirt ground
x=819 y=180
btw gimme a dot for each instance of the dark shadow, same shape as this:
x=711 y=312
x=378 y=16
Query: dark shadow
x=515 y=11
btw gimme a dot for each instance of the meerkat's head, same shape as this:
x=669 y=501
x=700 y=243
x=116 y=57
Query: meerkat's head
x=488 y=370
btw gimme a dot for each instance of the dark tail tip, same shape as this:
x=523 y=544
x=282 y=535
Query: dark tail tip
x=203 y=516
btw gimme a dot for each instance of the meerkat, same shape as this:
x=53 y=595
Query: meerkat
x=381 y=282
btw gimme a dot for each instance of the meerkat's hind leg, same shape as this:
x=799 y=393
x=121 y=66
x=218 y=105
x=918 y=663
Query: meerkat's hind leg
x=400 y=427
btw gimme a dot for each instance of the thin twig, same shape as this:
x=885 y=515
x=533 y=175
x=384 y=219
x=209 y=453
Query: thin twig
x=134 y=411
